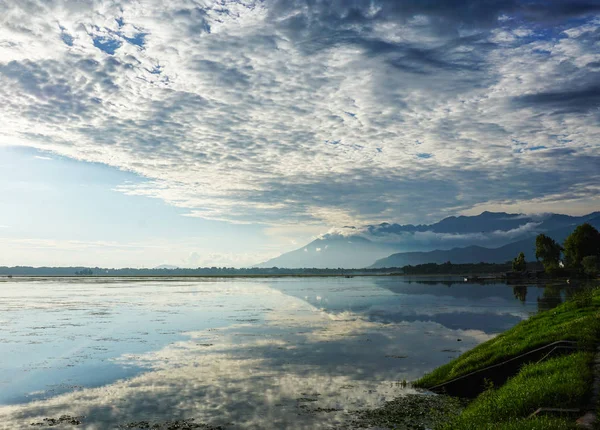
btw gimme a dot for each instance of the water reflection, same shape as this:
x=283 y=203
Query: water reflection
x=520 y=292
x=491 y=307
x=550 y=299
x=287 y=353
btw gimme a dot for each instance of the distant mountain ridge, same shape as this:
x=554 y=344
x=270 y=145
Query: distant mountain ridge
x=477 y=254
x=325 y=253
x=484 y=222
x=436 y=242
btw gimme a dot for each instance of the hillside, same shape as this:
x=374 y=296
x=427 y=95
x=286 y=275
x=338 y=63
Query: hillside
x=332 y=251
x=490 y=236
x=468 y=254
x=476 y=254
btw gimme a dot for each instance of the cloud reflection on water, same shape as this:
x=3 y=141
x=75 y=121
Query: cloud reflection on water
x=350 y=347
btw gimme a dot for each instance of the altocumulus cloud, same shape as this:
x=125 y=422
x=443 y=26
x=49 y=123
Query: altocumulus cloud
x=280 y=111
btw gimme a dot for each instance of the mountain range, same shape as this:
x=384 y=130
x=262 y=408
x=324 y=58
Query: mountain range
x=491 y=237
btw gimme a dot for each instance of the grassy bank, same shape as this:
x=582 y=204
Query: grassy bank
x=562 y=382
x=577 y=319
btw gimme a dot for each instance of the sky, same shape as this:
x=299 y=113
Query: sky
x=193 y=133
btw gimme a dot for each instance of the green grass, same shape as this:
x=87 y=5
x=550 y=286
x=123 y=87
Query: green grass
x=543 y=423
x=562 y=382
x=577 y=319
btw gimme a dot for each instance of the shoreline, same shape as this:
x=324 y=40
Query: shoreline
x=559 y=391
x=476 y=276
x=551 y=392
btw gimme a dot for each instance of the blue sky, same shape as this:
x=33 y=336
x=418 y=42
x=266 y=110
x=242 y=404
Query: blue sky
x=226 y=132
x=59 y=211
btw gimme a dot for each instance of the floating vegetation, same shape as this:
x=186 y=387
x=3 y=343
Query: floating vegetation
x=187 y=424
x=63 y=419
x=413 y=411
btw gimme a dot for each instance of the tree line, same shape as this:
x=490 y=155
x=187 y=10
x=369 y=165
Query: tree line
x=579 y=254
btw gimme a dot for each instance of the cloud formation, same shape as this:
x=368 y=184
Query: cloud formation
x=340 y=112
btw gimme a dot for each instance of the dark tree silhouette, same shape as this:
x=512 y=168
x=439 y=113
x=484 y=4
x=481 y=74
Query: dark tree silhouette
x=591 y=265
x=583 y=242
x=519 y=264
x=547 y=250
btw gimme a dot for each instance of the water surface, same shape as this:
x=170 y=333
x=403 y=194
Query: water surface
x=243 y=353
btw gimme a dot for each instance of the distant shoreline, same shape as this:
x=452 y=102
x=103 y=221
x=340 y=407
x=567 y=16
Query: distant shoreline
x=16 y=277
x=475 y=279
x=488 y=270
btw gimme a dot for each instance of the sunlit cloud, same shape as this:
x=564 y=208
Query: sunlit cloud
x=283 y=111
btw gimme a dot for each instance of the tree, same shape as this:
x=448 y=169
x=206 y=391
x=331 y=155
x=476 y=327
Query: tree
x=84 y=272
x=518 y=264
x=547 y=250
x=591 y=265
x=584 y=241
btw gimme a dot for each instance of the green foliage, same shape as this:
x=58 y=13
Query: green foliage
x=577 y=319
x=541 y=423
x=583 y=242
x=562 y=382
x=591 y=265
x=547 y=250
x=519 y=264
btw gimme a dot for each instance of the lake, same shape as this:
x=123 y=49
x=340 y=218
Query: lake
x=242 y=353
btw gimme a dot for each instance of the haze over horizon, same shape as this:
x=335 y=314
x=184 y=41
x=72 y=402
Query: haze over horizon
x=201 y=133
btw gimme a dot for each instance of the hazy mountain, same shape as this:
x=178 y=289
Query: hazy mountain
x=476 y=254
x=468 y=254
x=333 y=251
x=167 y=266
x=465 y=236
x=483 y=223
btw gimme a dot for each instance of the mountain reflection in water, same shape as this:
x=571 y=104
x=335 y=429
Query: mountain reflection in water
x=244 y=353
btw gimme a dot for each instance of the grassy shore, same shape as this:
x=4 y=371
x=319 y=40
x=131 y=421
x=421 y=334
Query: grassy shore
x=577 y=319
x=562 y=382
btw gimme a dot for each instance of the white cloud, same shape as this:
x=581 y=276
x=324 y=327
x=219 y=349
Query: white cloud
x=483 y=236
x=149 y=253
x=577 y=203
x=205 y=259
x=278 y=113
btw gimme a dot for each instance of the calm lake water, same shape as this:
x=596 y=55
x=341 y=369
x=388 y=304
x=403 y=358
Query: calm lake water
x=299 y=353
